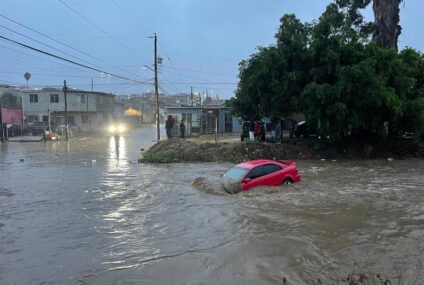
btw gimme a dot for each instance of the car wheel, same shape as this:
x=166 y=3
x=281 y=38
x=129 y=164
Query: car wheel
x=287 y=181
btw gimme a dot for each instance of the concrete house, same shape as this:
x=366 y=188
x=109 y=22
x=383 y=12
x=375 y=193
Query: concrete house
x=89 y=110
x=203 y=119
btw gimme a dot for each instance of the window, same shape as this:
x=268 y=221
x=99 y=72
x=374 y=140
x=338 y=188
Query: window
x=256 y=172
x=236 y=173
x=46 y=119
x=189 y=117
x=271 y=168
x=32 y=119
x=54 y=98
x=82 y=99
x=33 y=98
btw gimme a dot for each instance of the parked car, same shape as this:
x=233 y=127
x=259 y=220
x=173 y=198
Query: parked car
x=38 y=128
x=304 y=129
x=261 y=172
x=13 y=130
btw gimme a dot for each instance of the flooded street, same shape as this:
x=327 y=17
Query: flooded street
x=87 y=213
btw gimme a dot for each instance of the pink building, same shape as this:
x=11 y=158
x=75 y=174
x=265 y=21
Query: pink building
x=12 y=115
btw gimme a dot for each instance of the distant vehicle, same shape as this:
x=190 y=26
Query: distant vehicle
x=263 y=172
x=38 y=128
x=303 y=129
x=117 y=129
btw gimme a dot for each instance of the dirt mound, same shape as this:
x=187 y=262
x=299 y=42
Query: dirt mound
x=176 y=150
x=194 y=151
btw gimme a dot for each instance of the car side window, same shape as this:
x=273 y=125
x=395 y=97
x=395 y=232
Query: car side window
x=256 y=172
x=271 y=168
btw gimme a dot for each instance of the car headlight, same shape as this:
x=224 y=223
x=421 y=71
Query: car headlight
x=112 y=129
x=122 y=128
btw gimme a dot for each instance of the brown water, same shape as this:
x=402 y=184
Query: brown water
x=67 y=219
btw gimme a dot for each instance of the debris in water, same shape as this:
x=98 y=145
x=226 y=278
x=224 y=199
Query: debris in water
x=390 y=159
x=93 y=161
x=205 y=185
x=22 y=160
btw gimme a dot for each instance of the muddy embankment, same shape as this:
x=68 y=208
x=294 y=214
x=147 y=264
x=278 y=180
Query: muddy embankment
x=172 y=151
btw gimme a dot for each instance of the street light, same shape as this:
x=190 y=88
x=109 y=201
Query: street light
x=27 y=76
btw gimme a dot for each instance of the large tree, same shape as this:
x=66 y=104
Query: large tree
x=386 y=20
x=386 y=28
x=8 y=100
x=272 y=79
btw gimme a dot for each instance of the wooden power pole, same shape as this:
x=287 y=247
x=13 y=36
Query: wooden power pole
x=156 y=90
x=65 y=89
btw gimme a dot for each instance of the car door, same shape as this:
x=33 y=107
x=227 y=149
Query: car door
x=264 y=175
x=255 y=175
x=272 y=176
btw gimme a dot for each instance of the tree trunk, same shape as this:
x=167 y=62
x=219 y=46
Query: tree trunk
x=387 y=28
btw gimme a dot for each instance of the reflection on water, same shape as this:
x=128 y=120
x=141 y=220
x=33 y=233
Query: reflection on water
x=117 y=222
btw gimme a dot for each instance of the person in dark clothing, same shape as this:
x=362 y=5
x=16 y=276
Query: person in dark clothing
x=169 y=124
x=182 y=130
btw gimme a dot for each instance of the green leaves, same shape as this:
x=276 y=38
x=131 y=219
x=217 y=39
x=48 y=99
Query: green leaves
x=8 y=100
x=330 y=71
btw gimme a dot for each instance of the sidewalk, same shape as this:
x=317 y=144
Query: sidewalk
x=25 y=139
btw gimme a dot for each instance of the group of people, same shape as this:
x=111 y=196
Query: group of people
x=169 y=126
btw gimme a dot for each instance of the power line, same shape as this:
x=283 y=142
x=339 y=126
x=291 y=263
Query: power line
x=27 y=54
x=187 y=76
x=196 y=71
x=130 y=16
x=69 y=61
x=56 y=75
x=199 y=83
x=101 y=30
x=25 y=36
x=57 y=41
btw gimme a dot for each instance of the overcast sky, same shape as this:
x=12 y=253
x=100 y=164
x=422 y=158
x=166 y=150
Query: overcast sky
x=201 y=41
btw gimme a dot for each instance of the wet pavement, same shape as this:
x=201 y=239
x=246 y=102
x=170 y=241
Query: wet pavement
x=86 y=212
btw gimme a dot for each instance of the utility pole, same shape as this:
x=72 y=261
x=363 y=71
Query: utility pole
x=191 y=96
x=65 y=89
x=156 y=89
x=27 y=76
x=1 y=126
x=86 y=102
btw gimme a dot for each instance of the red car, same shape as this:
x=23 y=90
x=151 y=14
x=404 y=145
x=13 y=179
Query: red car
x=263 y=172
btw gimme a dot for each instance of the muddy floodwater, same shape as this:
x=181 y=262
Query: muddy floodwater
x=87 y=213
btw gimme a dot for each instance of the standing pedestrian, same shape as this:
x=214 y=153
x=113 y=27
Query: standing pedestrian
x=169 y=124
x=182 y=130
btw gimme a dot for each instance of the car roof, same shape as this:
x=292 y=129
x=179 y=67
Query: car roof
x=253 y=163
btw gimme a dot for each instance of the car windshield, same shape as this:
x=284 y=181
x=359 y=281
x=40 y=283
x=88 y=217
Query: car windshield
x=236 y=173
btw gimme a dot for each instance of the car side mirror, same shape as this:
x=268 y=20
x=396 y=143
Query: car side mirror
x=246 y=180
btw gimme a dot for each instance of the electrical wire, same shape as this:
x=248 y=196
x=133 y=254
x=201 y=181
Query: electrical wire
x=101 y=30
x=62 y=43
x=44 y=44
x=68 y=60
x=196 y=71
